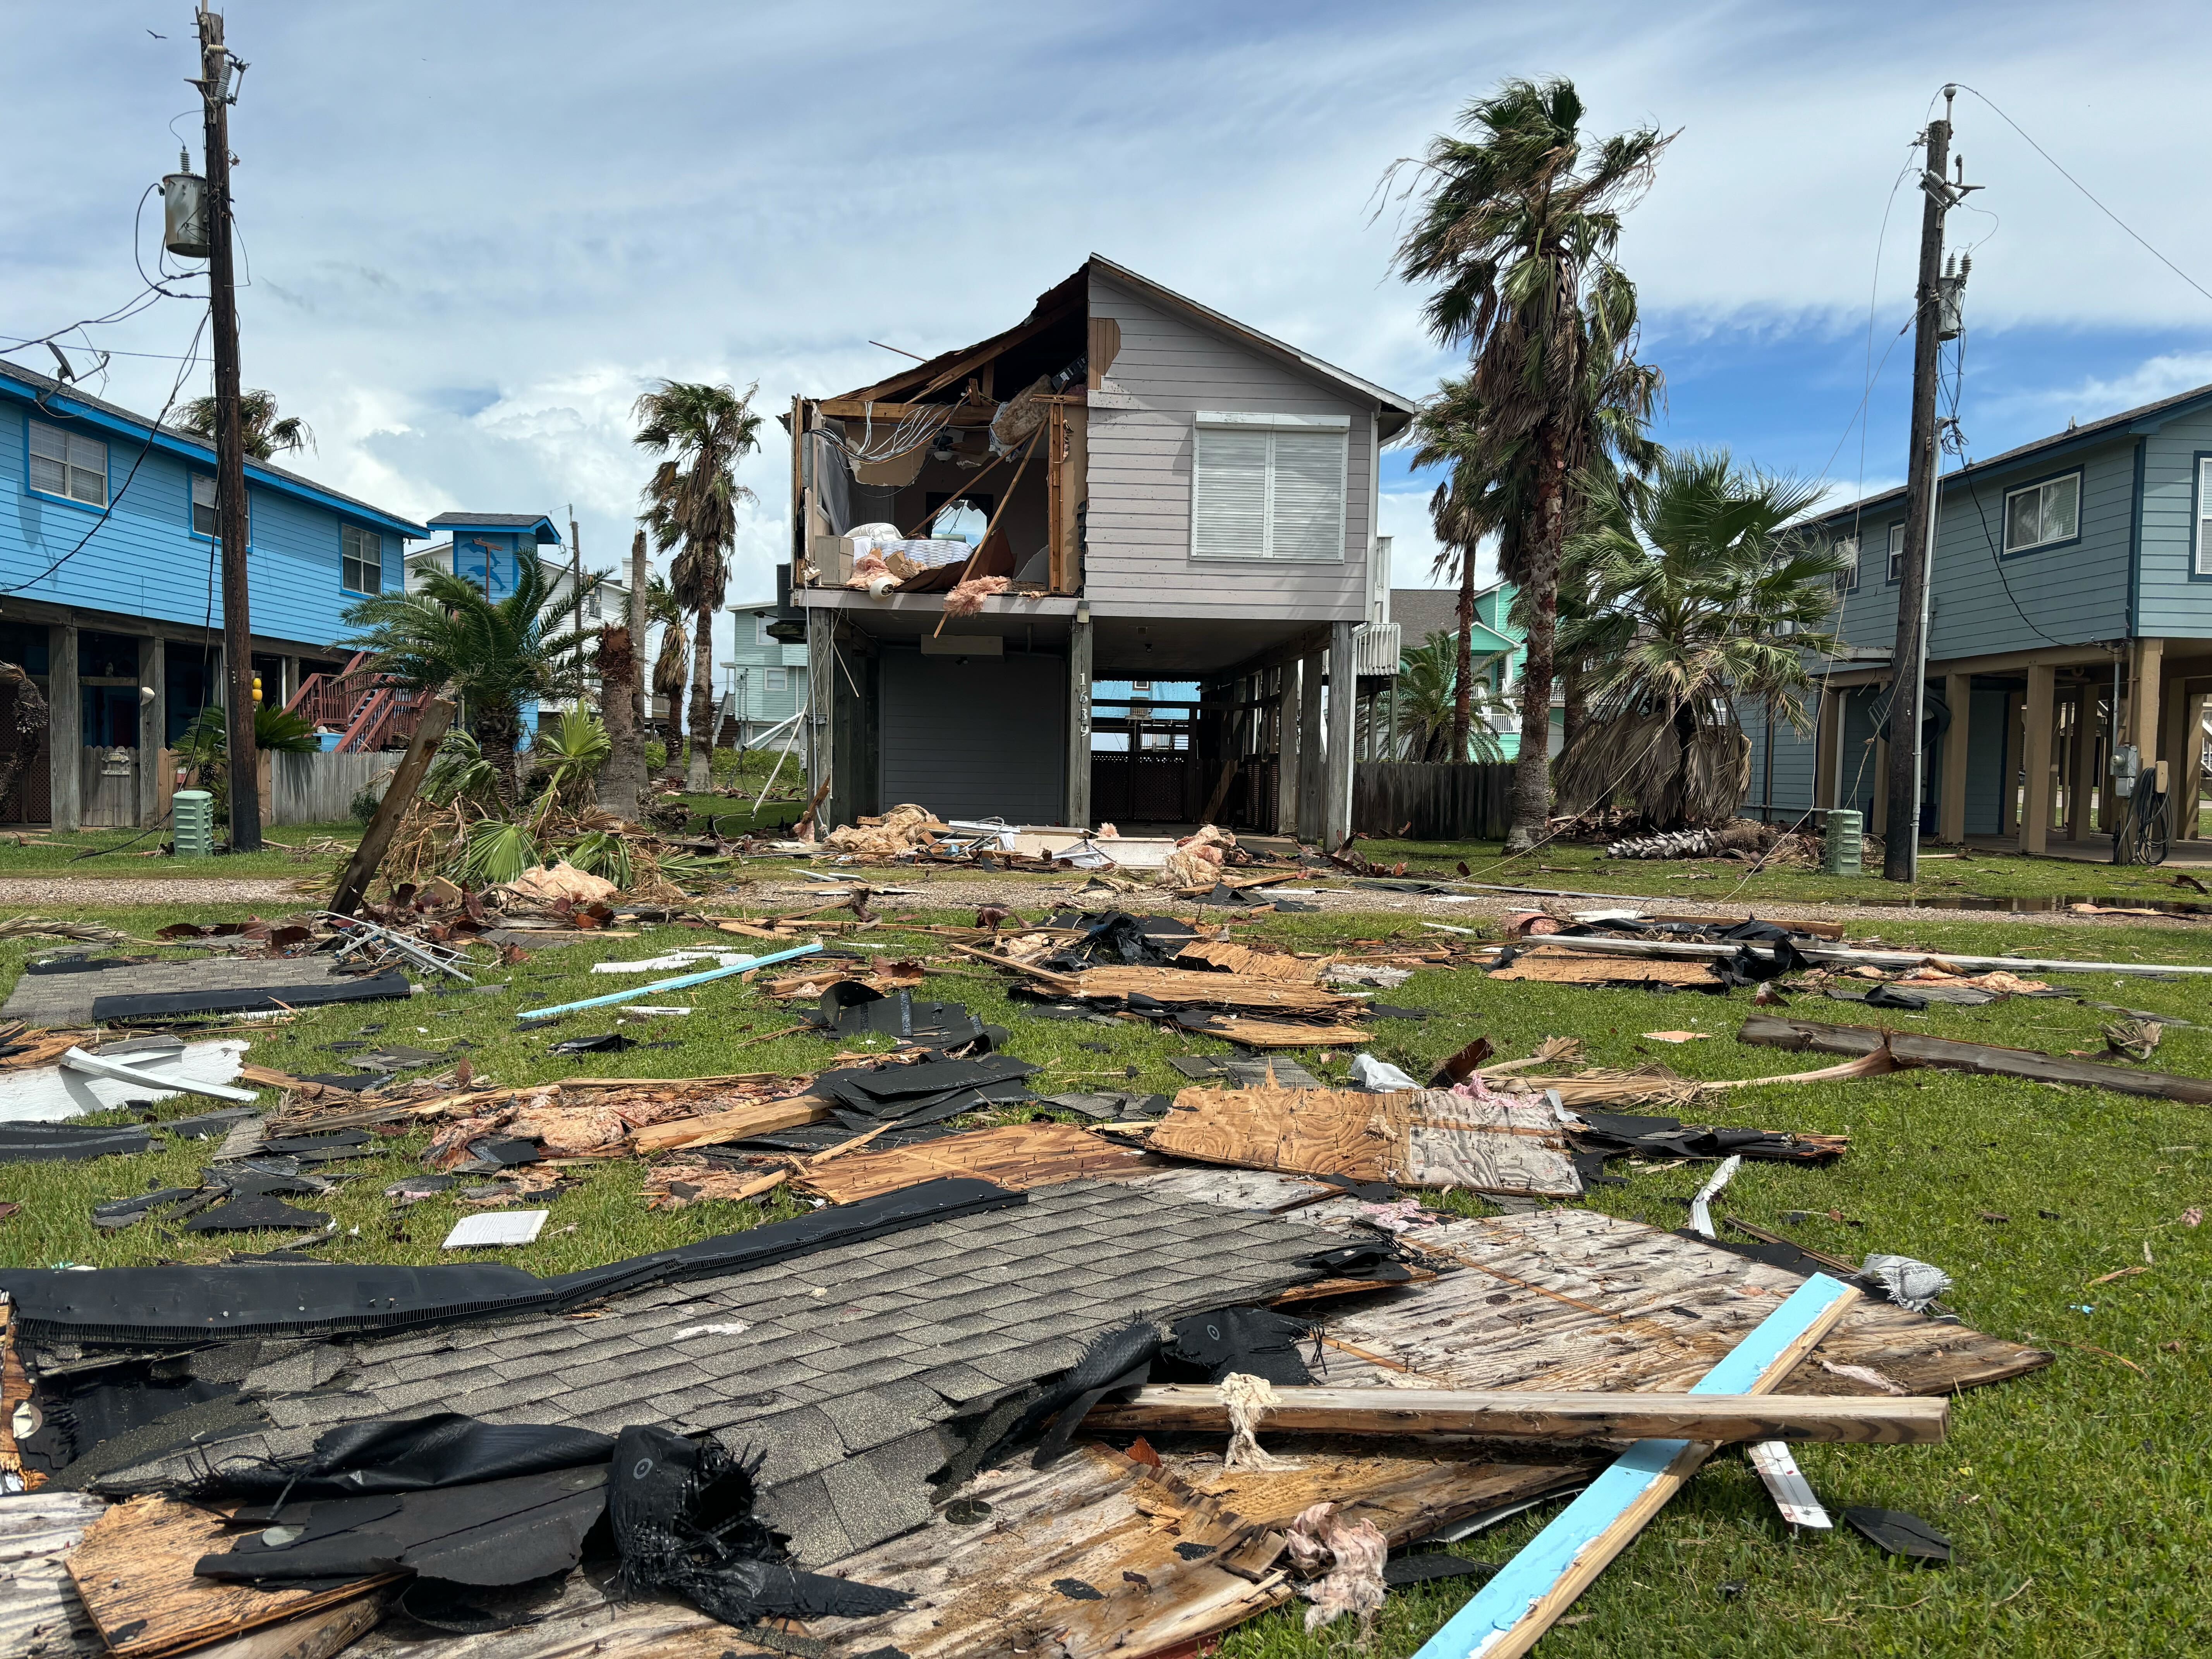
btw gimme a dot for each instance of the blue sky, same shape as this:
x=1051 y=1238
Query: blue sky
x=476 y=231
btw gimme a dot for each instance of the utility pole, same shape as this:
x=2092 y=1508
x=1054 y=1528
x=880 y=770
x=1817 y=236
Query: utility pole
x=217 y=89
x=1908 y=661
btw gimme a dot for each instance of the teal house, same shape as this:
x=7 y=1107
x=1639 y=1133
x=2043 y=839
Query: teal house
x=2070 y=615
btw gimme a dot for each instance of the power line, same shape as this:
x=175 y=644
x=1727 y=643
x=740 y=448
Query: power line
x=116 y=496
x=2087 y=192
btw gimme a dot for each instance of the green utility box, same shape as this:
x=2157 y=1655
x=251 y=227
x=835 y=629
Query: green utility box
x=1840 y=852
x=191 y=813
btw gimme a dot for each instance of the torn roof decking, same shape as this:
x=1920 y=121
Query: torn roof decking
x=850 y=1359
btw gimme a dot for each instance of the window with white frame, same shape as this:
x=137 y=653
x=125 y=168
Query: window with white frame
x=1896 y=552
x=69 y=464
x=361 y=561
x=776 y=682
x=1847 y=549
x=2043 y=513
x=1269 y=486
x=2204 y=516
x=204 y=521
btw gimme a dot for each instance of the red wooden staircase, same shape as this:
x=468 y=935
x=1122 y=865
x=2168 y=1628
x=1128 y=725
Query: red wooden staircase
x=366 y=705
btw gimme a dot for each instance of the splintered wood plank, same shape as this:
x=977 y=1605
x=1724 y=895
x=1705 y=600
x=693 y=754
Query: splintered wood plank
x=1015 y=1155
x=735 y=1124
x=134 y=1573
x=1254 y=964
x=1083 y=1559
x=1197 y=988
x=39 y=1613
x=1507 y=1616
x=1299 y=1131
x=1876 y=1420
x=1554 y=966
x=1576 y=1299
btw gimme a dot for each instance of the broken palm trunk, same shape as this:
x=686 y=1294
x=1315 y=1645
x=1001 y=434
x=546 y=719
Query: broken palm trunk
x=1909 y=1048
x=1486 y=1142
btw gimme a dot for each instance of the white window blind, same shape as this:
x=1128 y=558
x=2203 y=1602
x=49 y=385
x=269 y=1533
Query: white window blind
x=203 y=513
x=69 y=464
x=361 y=560
x=2204 y=516
x=1268 y=492
x=2043 y=513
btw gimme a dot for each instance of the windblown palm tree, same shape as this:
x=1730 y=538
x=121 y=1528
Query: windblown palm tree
x=494 y=654
x=265 y=435
x=1703 y=593
x=701 y=432
x=1432 y=697
x=1518 y=224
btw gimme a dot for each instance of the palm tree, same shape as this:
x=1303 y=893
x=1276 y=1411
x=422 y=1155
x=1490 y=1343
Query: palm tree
x=1517 y=226
x=701 y=432
x=1430 y=696
x=494 y=654
x=266 y=436
x=671 y=669
x=1703 y=593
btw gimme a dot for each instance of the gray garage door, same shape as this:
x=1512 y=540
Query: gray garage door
x=981 y=737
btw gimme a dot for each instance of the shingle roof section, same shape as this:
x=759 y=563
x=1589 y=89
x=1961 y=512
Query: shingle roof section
x=846 y=1400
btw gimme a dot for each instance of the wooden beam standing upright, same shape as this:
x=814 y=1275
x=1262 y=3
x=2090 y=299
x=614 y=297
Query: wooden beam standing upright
x=2035 y=761
x=1506 y=1618
x=399 y=795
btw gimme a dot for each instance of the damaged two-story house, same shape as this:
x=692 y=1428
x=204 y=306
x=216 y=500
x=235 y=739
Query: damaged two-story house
x=1125 y=485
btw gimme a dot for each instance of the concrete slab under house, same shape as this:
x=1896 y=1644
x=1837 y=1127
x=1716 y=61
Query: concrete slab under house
x=2069 y=616
x=110 y=604
x=1134 y=487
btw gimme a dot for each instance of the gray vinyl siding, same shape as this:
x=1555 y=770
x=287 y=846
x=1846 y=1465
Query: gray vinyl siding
x=982 y=737
x=1793 y=763
x=2076 y=592
x=1137 y=560
x=2171 y=603
x=1860 y=708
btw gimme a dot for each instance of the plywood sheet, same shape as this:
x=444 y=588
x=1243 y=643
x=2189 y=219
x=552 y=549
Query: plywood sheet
x=134 y=1573
x=1552 y=966
x=1299 y=1131
x=1506 y=1143
x=1254 y=964
x=1015 y=1155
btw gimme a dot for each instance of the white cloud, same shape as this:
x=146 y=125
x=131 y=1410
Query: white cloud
x=462 y=279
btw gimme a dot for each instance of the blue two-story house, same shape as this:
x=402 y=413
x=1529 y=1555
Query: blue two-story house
x=110 y=597
x=2070 y=612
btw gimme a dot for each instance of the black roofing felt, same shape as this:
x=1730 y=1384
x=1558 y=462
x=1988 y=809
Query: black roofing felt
x=193 y=1304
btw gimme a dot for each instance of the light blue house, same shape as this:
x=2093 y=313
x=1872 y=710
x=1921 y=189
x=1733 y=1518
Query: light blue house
x=2070 y=610
x=110 y=598
x=763 y=683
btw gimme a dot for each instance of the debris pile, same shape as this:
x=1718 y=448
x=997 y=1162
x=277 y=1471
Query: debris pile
x=971 y=1376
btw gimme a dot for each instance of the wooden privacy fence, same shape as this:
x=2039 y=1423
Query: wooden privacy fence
x=1442 y=802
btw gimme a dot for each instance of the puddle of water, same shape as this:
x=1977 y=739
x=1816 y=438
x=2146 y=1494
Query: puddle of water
x=2019 y=906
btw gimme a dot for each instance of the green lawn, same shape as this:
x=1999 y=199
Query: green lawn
x=131 y=854
x=2077 y=1496
x=1562 y=863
